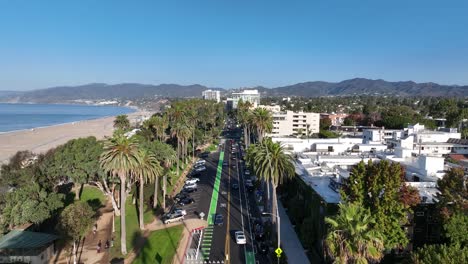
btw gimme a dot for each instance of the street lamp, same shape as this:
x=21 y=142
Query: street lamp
x=278 y=224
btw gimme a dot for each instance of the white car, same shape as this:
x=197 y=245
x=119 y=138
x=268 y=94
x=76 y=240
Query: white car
x=200 y=162
x=180 y=212
x=247 y=172
x=199 y=169
x=192 y=181
x=190 y=186
x=240 y=238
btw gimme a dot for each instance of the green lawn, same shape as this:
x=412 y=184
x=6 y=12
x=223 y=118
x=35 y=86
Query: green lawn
x=93 y=196
x=133 y=229
x=161 y=246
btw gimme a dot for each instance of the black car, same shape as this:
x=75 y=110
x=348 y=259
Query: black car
x=204 y=155
x=181 y=196
x=262 y=247
x=235 y=186
x=219 y=220
x=185 y=201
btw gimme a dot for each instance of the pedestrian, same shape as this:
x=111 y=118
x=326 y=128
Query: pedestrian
x=99 y=247
x=112 y=242
x=94 y=229
x=107 y=244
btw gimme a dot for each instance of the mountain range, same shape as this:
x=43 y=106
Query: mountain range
x=135 y=91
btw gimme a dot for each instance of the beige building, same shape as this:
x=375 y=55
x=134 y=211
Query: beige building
x=291 y=123
x=252 y=96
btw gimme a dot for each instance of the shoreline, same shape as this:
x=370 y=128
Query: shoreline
x=40 y=140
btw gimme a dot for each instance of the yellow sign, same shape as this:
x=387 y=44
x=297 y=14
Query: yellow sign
x=278 y=252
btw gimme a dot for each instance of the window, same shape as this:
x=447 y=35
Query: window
x=419 y=213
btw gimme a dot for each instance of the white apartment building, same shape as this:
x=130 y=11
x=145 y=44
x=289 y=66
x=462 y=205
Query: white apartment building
x=212 y=95
x=271 y=108
x=295 y=123
x=252 y=96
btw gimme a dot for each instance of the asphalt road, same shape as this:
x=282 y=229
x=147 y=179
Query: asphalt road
x=215 y=195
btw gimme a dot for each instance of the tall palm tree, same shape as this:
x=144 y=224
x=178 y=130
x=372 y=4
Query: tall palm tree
x=351 y=238
x=243 y=116
x=147 y=170
x=263 y=121
x=271 y=164
x=122 y=122
x=120 y=157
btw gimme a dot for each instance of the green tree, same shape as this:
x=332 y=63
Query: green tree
x=263 y=121
x=380 y=187
x=147 y=170
x=352 y=238
x=271 y=164
x=325 y=123
x=430 y=254
x=453 y=194
x=121 y=122
x=75 y=221
x=29 y=204
x=454 y=227
x=120 y=157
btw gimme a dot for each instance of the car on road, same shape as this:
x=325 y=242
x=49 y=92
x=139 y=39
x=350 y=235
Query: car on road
x=233 y=157
x=219 y=220
x=240 y=238
x=225 y=163
x=200 y=169
x=233 y=165
x=189 y=190
x=248 y=183
x=247 y=172
x=204 y=155
x=192 y=181
x=186 y=201
x=171 y=218
x=235 y=186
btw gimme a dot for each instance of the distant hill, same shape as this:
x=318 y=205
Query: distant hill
x=361 y=86
x=132 y=91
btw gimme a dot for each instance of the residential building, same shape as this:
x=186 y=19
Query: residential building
x=336 y=119
x=291 y=123
x=252 y=96
x=271 y=108
x=212 y=95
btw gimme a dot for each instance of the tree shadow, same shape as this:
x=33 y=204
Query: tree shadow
x=95 y=204
x=117 y=261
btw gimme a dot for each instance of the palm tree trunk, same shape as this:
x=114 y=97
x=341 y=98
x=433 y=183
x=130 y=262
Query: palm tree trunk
x=193 y=143
x=74 y=252
x=155 y=199
x=245 y=136
x=123 y=230
x=142 y=224
x=275 y=203
x=164 y=191
x=268 y=200
x=178 y=157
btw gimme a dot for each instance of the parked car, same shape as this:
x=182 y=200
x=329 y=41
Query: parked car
x=189 y=190
x=186 y=201
x=204 y=155
x=225 y=163
x=180 y=196
x=192 y=181
x=248 y=183
x=219 y=220
x=235 y=186
x=201 y=161
x=171 y=218
x=190 y=186
x=200 y=169
x=247 y=172
x=176 y=210
x=240 y=238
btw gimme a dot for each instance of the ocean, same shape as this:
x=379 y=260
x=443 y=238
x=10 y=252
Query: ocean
x=26 y=116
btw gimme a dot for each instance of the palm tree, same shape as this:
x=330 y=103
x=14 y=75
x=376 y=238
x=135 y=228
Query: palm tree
x=263 y=121
x=166 y=157
x=271 y=164
x=351 y=238
x=120 y=156
x=243 y=116
x=122 y=122
x=147 y=170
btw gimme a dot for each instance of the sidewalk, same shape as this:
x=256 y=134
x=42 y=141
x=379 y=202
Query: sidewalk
x=290 y=243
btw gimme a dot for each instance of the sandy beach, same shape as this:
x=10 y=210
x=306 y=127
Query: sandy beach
x=40 y=140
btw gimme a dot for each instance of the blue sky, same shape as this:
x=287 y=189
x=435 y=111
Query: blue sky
x=230 y=43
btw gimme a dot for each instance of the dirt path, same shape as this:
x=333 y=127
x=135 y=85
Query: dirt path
x=87 y=251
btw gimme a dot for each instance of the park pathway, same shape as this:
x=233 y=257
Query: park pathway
x=87 y=250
